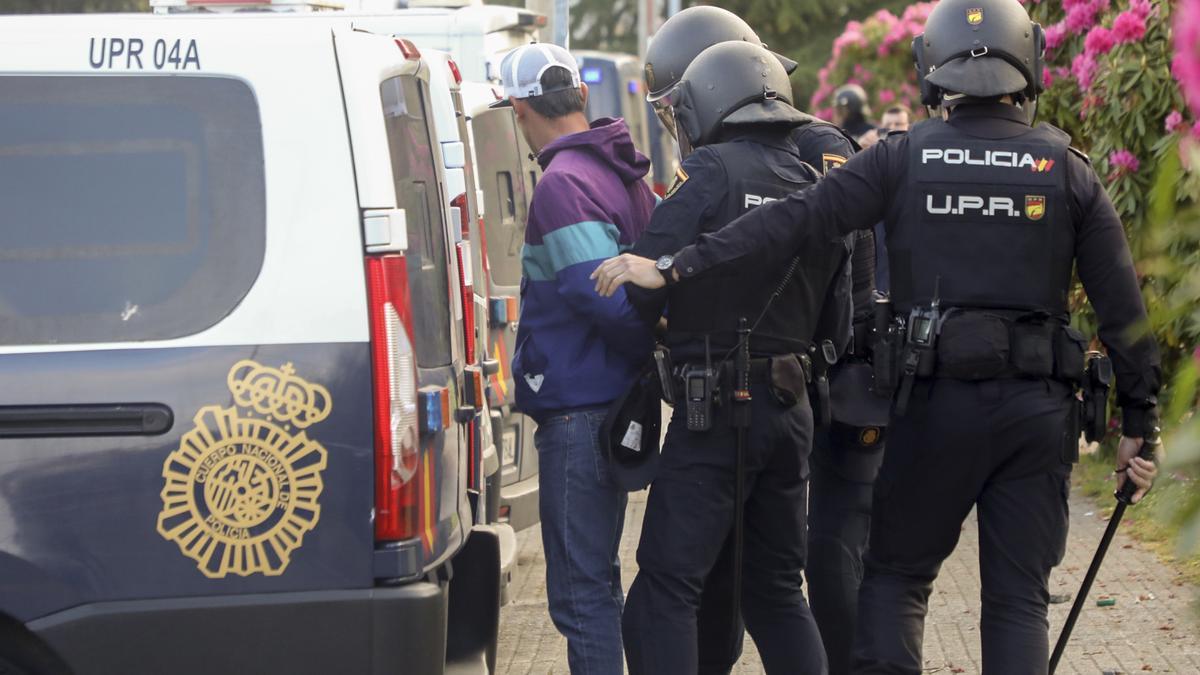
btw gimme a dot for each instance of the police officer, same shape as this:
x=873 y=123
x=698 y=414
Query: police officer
x=687 y=33
x=845 y=462
x=850 y=111
x=985 y=216
x=732 y=114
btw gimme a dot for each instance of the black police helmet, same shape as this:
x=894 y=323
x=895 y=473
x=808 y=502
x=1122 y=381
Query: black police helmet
x=853 y=99
x=687 y=33
x=731 y=83
x=980 y=48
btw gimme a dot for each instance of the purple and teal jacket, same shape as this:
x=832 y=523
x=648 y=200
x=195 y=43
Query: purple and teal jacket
x=576 y=349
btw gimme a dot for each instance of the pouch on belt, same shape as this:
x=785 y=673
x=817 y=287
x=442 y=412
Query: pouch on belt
x=1032 y=348
x=973 y=346
x=787 y=380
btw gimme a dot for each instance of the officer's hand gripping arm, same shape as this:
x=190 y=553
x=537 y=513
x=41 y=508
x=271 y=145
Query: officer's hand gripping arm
x=675 y=223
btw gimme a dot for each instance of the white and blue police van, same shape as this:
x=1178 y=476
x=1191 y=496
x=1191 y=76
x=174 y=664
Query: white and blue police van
x=507 y=172
x=478 y=36
x=236 y=427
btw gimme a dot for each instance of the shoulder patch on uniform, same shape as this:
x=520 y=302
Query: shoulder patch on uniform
x=680 y=178
x=831 y=161
x=1081 y=154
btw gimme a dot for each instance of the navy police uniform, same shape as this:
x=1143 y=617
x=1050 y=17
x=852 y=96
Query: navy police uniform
x=691 y=504
x=990 y=215
x=844 y=462
x=847 y=453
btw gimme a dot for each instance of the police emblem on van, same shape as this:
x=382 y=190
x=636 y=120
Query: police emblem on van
x=242 y=489
x=975 y=16
x=1035 y=207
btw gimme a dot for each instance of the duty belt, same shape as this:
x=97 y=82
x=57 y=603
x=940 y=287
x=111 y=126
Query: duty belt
x=787 y=376
x=974 y=345
x=760 y=370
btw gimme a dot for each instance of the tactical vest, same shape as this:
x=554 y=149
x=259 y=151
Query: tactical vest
x=713 y=303
x=985 y=220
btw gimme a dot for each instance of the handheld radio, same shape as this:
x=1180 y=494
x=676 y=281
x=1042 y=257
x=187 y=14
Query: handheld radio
x=698 y=392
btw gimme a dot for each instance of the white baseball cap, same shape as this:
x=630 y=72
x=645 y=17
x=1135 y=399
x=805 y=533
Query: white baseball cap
x=522 y=69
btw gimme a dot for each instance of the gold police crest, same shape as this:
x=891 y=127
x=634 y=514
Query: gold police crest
x=241 y=491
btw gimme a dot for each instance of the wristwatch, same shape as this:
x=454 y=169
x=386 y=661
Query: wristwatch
x=666 y=267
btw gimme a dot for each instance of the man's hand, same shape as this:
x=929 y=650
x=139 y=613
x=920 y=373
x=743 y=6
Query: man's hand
x=626 y=267
x=1132 y=467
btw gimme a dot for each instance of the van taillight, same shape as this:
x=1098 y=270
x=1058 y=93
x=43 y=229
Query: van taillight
x=408 y=49
x=465 y=282
x=394 y=383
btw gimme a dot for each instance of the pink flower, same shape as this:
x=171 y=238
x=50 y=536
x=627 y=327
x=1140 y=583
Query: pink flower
x=884 y=16
x=1173 y=121
x=1140 y=8
x=1123 y=162
x=1099 y=40
x=1083 y=67
x=1196 y=130
x=1047 y=78
x=1083 y=15
x=1129 y=27
x=886 y=96
x=1055 y=35
x=1186 y=64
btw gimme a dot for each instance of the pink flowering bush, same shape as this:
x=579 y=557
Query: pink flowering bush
x=876 y=55
x=1186 y=63
x=1126 y=85
x=1112 y=89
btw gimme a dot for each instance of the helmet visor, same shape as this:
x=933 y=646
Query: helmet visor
x=665 y=115
x=664 y=108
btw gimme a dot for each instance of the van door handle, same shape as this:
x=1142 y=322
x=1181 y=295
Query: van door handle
x=117 y=419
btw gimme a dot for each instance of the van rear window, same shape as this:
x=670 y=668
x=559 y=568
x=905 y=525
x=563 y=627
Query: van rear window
x=131 y=208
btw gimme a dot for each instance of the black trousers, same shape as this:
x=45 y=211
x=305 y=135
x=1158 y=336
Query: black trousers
x=845 y=461
x=998 y=446
x=689 y=517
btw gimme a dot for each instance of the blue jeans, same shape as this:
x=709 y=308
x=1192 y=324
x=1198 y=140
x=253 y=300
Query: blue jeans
x=582 y=516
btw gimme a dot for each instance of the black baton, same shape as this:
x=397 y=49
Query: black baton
x=1124 y=497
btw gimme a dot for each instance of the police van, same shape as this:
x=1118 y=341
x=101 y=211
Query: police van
x=236 y=426
x=475 y=34
x=488 y=429
x=615 y=89
x=478 y=36
x=507 y=174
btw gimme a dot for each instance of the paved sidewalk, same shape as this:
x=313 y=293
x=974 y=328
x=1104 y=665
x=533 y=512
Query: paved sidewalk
x=1152 y=627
